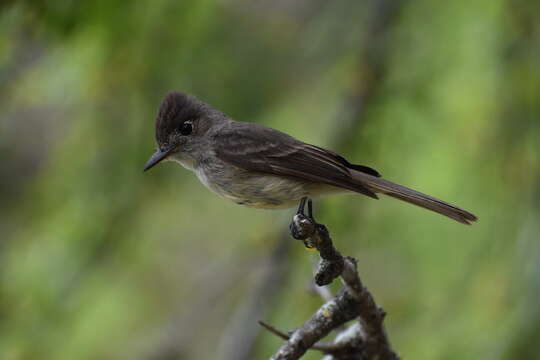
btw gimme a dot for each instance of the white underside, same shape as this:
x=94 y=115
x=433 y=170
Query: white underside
x=259 y=190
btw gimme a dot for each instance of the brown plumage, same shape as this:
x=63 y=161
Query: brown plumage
x=257 y=166
x=258 y=148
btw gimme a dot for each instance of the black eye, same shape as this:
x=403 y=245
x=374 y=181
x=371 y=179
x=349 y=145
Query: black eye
x=186 y=128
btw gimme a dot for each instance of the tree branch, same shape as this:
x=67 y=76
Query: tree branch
x=325 y=348
x=366 y=339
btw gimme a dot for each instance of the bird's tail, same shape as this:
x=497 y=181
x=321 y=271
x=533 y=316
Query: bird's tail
x=380 y=185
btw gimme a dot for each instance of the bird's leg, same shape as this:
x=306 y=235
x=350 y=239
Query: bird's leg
x=310 y=210
x=302 y=205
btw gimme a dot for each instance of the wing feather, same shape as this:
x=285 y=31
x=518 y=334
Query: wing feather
x=258 y=148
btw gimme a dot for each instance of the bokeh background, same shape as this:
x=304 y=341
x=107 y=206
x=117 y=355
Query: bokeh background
x=101 y=261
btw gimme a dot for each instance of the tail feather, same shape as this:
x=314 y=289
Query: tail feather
x=380 y=185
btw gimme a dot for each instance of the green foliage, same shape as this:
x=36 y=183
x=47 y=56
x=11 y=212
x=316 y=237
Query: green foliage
x=97 y=259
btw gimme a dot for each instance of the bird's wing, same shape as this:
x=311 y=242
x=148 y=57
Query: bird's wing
x=257 y=148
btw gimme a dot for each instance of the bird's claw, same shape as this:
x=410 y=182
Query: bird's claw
x=303 y=227
x=314 y=235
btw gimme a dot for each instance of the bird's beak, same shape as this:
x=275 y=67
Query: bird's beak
x=157 y=158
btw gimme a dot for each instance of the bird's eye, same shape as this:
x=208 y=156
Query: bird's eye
x=186 y=128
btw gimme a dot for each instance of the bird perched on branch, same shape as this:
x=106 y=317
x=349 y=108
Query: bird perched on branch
x=260 y=167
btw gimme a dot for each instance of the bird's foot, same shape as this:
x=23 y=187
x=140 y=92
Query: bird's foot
x=314 y=235
x=303 y=226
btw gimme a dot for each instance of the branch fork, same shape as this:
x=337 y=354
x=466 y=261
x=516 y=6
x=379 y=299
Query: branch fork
x=366 y=338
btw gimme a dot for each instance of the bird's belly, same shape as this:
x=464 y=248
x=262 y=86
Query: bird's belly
x=265 y=191
x=260 y=190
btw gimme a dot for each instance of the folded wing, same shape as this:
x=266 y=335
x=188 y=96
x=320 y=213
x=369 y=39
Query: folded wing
x=258 y=148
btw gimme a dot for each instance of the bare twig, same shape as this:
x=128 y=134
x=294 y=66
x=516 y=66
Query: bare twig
x=331 y=315
x=368 y=339
x=325 y=348
x=273 y=330
x=370 y=315
x=350 y=341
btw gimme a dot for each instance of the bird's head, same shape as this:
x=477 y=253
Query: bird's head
x=181 y=124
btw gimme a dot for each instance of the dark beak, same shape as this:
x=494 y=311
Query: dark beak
x=157 y=158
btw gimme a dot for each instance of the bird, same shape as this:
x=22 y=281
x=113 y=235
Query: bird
x=261 y=167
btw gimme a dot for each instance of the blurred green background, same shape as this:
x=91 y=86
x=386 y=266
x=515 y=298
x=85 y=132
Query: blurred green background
x=101 y=261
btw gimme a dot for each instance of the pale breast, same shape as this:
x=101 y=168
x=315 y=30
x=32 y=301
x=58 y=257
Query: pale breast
x=255 y=189
x=252 y=188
